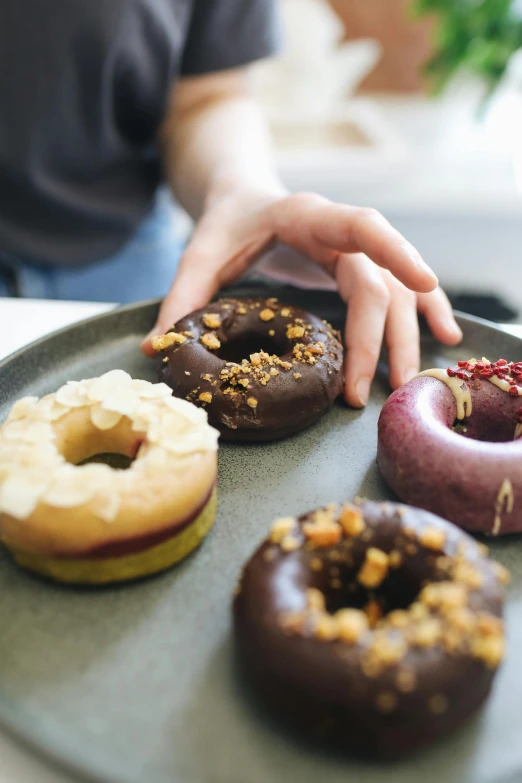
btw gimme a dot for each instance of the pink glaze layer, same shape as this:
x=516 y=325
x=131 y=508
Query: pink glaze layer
x=472 y=478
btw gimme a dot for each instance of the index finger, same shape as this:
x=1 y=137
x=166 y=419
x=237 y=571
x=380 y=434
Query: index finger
x=315 y=220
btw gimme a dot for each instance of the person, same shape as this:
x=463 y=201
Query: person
x=103 y=101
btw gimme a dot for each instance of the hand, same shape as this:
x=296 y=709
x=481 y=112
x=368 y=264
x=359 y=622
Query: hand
x=378 y=273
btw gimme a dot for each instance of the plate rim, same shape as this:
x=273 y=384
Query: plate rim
x=65 y=756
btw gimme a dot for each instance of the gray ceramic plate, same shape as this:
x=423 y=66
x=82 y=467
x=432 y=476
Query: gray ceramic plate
x=138 y=683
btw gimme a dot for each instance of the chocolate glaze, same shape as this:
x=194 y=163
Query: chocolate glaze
x=318 y=686
x=458 y=476
x=285 y=404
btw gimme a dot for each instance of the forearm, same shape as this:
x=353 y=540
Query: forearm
x=215 y=138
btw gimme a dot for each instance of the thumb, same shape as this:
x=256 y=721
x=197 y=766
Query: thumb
x=193 y=286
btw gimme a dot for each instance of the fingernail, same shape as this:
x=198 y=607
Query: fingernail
x=423 y=266
x=455 y=328
x=362 y=389
x=152 y=333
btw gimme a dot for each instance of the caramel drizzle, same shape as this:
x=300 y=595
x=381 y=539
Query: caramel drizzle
x=462 y=392
x=459 y=389
x=503 y=504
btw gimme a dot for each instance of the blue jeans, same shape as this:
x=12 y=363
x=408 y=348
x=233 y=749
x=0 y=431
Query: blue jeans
x=142 y=269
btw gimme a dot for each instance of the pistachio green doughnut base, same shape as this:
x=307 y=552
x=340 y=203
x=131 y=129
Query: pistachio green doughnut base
x=124 y=568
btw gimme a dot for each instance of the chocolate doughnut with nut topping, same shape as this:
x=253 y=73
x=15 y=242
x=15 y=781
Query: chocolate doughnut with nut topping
x=374 y=627
x=262 y=370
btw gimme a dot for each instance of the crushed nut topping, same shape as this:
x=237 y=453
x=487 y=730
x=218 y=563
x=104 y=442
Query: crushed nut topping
x=281 y=528
x=267 y=314
x=326 y=628
x=444 y=595
x=294 y=332
x=373 y=612
x=163 y=341
x=374 y=569
x=307 y=354
x=352 y=625
x=433 y=538
x=285 y=312
x=289 y=543
x=489 y=649
x=212 y=320
x=399 y=618
x=210 y=341
x=322 y=534
x=297 y=375
x=205 y=397
x=252 y=402
x=395 y=558
x=315 y=600
x=467 y=574
x=351 y=520
x=427 y=633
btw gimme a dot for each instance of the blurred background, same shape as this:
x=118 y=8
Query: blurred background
x=413 y=107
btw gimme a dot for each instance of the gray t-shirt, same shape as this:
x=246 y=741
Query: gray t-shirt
x=83 y=89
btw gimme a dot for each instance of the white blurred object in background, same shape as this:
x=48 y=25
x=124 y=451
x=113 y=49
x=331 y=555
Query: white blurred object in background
x=316 y=71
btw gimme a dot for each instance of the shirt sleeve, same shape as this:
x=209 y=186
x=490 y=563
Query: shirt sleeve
x=226 y=34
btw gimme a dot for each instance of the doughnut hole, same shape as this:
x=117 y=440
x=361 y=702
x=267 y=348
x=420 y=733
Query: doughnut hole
x=240 y=347
x=492 y=426
x=79 y=441
x=398 y=590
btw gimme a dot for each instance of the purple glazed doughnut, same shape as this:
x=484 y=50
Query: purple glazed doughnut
x=449 y=442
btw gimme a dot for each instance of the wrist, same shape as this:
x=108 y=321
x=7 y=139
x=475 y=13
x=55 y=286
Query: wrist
x=227 y=182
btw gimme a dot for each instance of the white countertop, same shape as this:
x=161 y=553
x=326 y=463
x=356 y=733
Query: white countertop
x=21 y=322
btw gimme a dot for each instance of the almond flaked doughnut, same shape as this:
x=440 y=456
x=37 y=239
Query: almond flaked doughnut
x=90 y=523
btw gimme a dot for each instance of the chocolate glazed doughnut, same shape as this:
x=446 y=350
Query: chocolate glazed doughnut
x=263 y=370
x=449 y=442
x=373 y=627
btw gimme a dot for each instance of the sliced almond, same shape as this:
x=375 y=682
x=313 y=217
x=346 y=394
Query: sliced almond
x=71 y=395
x=103 y=419
x=100 y=388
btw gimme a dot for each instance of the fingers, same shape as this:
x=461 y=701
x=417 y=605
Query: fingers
x=438 y=312
x=321 y=229
x=402 y=335
x=194 y=285
x=361 y=284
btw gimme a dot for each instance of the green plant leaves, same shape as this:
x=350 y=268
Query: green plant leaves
x=477 y=35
